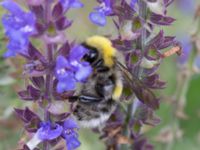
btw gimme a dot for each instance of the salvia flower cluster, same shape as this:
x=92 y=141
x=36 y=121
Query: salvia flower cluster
x=55 y=70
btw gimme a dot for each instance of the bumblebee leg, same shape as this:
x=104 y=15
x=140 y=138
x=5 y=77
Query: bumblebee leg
x=98 y=63
x=89 y=99
x=85 y=99
x=100 y=67
x=73 y=98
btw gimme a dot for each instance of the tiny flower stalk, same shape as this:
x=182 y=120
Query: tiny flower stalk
x=49 y=88
x=133 y=106
x=49 y=76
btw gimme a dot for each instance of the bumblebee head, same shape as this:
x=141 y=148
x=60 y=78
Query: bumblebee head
x=99 y=45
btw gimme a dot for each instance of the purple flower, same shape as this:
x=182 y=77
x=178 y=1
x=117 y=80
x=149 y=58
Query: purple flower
x=19 y=26
x=133 y=2
x=98 y=17
x=71 y=69
x=187 y=7
x=197 y=63
x=66 y=4
x=49 y=131
x=70 y=134
x=186 y=46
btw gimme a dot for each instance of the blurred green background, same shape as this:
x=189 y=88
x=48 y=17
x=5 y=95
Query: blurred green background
x=175 y=132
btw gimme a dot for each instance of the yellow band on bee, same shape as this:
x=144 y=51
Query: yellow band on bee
x=118 y=90
x=105 y=45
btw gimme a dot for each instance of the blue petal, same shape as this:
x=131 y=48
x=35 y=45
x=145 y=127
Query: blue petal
x=24 y=23
x=70 y=124
x=76 y=4
x=18 y=25
x=13 y=7
x=83 y=73
x=9 y=53
x=61 y=65
x=133 y=2
x=71 y=138
x=14 y=48
x=17 y=36
x=61 y=62
x=77 y=52
x=65 y=4
x=66 y=84
x=197 y=62
x=70 y=135
x=72 y=143
x=45 y=132
x=187 y=7
x=107 y=3
x=9 y=22
x=98 y=18
x=186 y=50
x=61 y=73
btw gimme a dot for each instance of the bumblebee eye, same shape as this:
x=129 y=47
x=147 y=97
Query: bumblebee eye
x=92 y=55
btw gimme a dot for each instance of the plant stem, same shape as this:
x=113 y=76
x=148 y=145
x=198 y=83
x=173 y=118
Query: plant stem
x=141 y=46
x=49 y=88
x=142 y=14
x=180 y=101
x=49 y=76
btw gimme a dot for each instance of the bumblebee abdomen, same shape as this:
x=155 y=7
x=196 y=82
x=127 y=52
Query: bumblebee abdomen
x=93 y=115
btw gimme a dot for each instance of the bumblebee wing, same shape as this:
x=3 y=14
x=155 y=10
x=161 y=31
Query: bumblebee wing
x=143 y=93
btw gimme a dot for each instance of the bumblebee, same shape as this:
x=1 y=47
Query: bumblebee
x=97 y=97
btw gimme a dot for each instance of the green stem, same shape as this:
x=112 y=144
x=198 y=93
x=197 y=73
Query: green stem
x=141 y=46
x=142 y=14
x=180 y=102
x=49 y=76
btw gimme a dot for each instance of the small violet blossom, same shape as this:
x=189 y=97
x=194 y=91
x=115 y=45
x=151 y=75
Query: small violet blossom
x=187 y=7
x=196 y=64
x=66 y=4
x=132 y=3
x=187 y=47
x=71 y=69
x=70 y=135
x=98 y=17
x=49 y=132
x=19 y=26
